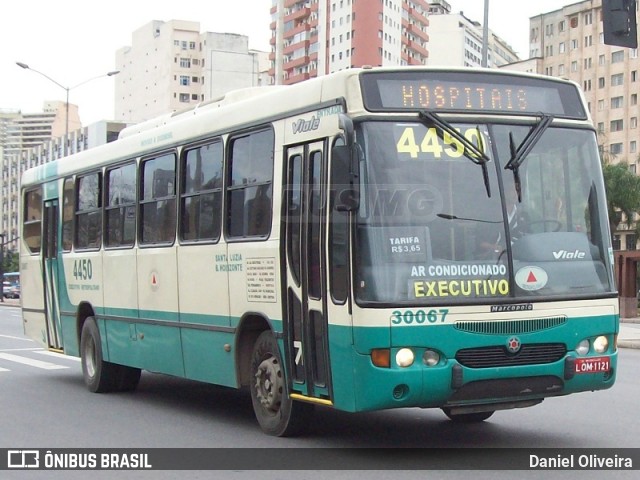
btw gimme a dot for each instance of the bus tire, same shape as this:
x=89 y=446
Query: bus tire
x=275 y=411
x=99 y=376
x=467 y=417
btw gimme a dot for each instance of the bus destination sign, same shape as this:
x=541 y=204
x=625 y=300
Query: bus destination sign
x=470 y=92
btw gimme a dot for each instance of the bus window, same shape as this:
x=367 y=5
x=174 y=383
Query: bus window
x=67 y=214
x=158 y=200
x=89 y=212
x=120 y=210
x=250 y=190
x=32 y=230
x=201 y=199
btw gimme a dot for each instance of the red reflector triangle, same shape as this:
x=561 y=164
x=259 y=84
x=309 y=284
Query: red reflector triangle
x=153 y=280
x=531 y=278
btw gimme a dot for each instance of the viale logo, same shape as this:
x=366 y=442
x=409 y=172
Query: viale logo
x=565 y=255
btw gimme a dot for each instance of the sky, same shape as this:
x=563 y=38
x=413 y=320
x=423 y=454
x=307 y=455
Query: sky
x=72 y=41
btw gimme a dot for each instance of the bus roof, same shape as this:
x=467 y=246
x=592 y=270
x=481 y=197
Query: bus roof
x=235 y=110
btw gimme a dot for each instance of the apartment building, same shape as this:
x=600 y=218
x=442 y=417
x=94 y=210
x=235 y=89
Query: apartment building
x=455 y=40
x=171 y=66
x=569 y=42
x=37 y=150
x=311 y=38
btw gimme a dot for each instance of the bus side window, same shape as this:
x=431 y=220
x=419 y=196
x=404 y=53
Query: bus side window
x=158 y=200
x=68 y=209
x=32 y=227
x=88 y=211
x=249 y=188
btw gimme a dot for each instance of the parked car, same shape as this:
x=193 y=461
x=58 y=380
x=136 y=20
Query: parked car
x=10 y=291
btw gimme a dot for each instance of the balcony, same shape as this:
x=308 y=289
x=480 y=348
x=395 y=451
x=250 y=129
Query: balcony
x=420 y=17
x=416 y=47
x=303 y=27
x=296 y=46
x=296 y=63
x=418 y=32
x=301 y=77
x=298 y=15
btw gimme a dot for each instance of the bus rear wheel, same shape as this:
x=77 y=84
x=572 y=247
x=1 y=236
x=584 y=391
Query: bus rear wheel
x=101 y=376
x=475 y=417
x=275 y=411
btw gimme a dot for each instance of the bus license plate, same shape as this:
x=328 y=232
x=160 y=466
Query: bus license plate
x=592 y=365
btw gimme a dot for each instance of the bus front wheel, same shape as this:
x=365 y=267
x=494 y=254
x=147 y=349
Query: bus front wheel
x=475 y=417
x=275 y=411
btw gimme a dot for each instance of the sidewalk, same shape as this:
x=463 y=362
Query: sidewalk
x=628 y=337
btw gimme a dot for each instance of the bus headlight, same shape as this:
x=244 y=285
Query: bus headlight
x=430 y=358
x=405 y=357
x=601 y=344
x=583 y=347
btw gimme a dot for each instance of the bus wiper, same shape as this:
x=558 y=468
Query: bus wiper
x=471 y=151
x=519 y=153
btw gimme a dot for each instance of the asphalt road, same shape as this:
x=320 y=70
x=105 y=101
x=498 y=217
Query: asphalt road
x=44 y=404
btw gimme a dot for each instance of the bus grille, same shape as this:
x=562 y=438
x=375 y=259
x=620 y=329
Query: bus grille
x=511 y=327
x=498 y=356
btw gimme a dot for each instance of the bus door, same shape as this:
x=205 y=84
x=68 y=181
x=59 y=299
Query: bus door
x=50 y=271
x=305 y=273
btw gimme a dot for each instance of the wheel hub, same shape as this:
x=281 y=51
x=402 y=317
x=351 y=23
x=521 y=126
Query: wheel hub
x=269 y=384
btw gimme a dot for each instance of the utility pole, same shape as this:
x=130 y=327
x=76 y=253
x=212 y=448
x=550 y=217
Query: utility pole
x=485 y=35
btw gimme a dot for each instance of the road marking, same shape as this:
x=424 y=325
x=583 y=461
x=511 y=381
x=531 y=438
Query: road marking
x=16 y=338
x=3 y=370
x=30 y=361
x=57 y=355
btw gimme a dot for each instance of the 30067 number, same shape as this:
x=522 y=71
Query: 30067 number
x=409 y=317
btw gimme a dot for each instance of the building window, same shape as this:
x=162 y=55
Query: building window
x=574 y=44
x=185 y=62
x=634 y=99
x=615 y=148
x=184 y=98
x=562 y=26
x=633 y=122
x=602 y=60
x=633 y=146
x=616 y=242
x=185 y=80
x=617 y=56
x=617 y=102
x=561 y=47
x=617 y=79
x=601 y=82
x=630 y=241
x=573 y=21
x=616 y=125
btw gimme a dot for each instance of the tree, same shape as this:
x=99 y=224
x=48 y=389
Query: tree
x=623 y=193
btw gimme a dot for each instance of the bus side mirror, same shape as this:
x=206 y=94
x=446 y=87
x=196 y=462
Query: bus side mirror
x=345 y=181
x=619 y=23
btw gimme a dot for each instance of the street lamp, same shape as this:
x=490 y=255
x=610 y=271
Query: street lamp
x=66 y=89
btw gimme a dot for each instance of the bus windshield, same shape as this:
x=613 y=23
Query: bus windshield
x=430 y=230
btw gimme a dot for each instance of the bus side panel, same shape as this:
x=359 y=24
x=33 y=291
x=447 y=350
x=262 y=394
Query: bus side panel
x=206 y=359
x=32 y=298
x=157 y=335
x=204 y=308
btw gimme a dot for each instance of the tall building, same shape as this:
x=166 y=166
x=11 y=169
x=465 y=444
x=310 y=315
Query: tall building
x=171 y=66
x=38 y=149
x=455 y=40
x=20 y=131
x=570 y=43
x=312 y=38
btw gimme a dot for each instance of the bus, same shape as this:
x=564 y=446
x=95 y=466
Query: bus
x=347 y=242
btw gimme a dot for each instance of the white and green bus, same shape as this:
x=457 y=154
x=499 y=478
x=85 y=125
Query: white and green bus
x=376 y=238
